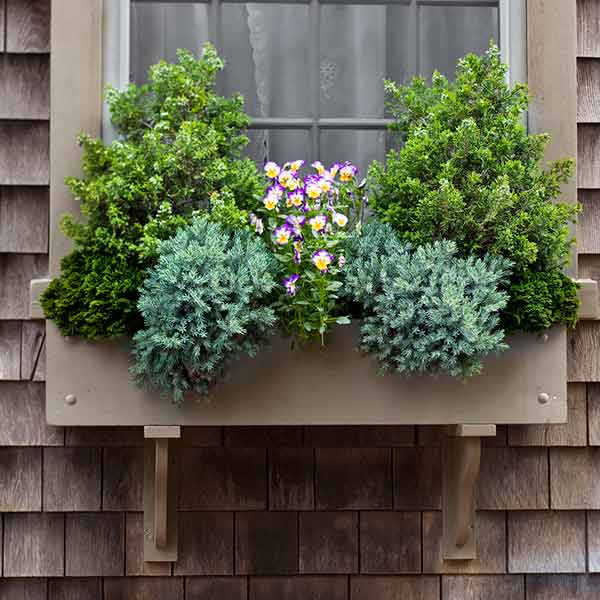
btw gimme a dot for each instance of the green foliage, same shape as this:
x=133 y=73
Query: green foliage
x=206 y=302
x=470 y=172
x=179 y=155
x=425 y=310
x=538 y=300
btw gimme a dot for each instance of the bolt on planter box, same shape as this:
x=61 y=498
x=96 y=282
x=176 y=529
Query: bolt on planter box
x=89 y=384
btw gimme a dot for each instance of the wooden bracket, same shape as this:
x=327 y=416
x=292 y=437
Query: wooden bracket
x=160 y=494
x=461 y=456
x=589 y=307
x=36 y=288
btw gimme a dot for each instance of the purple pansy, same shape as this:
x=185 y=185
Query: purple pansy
x=347 y=172
x=322 y=259
x=289 y=283
x=282 y=234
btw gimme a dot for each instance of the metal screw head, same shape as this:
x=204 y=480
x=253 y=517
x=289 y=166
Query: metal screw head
x=71 y=399
x=543 y=398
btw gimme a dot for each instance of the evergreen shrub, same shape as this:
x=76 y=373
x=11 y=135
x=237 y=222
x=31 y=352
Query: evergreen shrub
x=179 y=154
x=205 y=302
x=469 y=172
x=425 y=309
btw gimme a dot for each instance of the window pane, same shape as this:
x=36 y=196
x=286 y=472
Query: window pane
x=266 y=47
x=449 y=32
x=358 y=147
x=158 y=29
x=361 y=45
x=280 y=145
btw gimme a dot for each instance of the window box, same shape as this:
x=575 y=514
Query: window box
x=89 y=384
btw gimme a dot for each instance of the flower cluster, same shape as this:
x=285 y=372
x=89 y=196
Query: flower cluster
x=305 y=220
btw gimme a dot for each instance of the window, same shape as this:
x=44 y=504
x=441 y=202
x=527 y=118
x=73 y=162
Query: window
x=312 y=71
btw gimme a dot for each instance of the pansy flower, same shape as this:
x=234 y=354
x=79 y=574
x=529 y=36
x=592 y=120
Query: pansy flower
x=347 y=172
x=340 y=219
x=257 y=224
x=296 y=199
x=318 y=223
x=284 y=178
x=282 y=234
x=313 y=190
x=318 y=167
x=270 y=201
x=276 y=190
x=296 y=223
x=325 y=184
x=272 y=169
x=322 y=259
x=296 y=165
x=290 y=284
x=333 y=170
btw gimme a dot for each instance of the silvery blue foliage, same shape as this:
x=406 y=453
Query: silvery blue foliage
x=206 y=302
x=425 y=309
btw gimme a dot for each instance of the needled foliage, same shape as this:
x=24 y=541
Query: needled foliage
x=179 y=154
x=425 y=310
x=206 y=302
x=470 y=172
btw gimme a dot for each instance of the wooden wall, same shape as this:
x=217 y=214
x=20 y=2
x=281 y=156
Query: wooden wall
x=317 y=513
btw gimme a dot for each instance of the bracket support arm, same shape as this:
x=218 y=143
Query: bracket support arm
x=160 y=488
x=461 y=456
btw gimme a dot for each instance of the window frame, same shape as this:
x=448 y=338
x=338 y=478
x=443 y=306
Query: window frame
x=512 y=17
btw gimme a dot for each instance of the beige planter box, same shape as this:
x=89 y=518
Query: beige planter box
x=89 y=384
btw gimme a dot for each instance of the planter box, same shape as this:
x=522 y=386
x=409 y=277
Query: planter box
x=89 y=384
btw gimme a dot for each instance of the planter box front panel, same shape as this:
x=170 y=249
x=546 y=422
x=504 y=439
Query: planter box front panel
x=337 y=385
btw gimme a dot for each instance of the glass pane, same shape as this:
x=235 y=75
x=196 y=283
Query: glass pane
x=280 y=145
x=360 y=46
x=449 y=32
x=358 y=147
x=158 y=29
x=266 y=47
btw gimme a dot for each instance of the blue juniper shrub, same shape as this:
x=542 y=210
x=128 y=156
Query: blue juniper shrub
x=470 y=172
x=207 y=300
x=425 y=309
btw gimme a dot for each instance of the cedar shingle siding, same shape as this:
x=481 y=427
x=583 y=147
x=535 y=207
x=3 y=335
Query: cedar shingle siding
x=320 y=513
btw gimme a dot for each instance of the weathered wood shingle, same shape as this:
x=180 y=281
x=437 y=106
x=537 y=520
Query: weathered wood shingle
x=22 y=416
x=33 y=545
x=24 y=153
x=75 y=588
x=575 y=478
x=94 y=544
x=503 y=473
x=546 y=542
x=21 y=477
x=24 y=86
x=28 y=26
x=33 y=355
x=143 y=588
x=563 y=587
x=205 y=544
x=23 y=589
x=72 y=479
x=588 y=28
x=10 y=350
x=24 y=216
x=393 y=588
x=123 y=479
x=328 y=542
x=588 y=99
x=506 y=587
x=16 y=271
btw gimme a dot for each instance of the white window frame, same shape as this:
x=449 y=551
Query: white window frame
x=116 y=61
